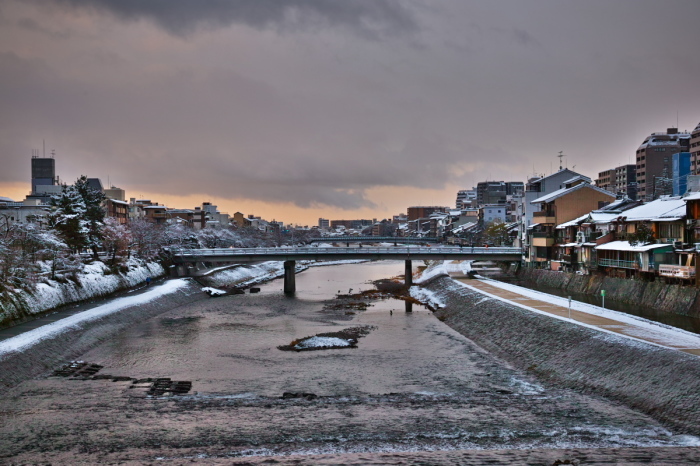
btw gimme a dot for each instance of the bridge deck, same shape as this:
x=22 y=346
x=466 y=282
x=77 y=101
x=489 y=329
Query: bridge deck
x=372 y=239
x=370 y=253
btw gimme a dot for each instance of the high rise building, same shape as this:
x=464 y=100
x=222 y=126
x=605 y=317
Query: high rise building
x=654 y=162
x=43 y=172
x=626 y=181
x=681 y=170
x=605 y=180
x=465 y=198
x=695 y=151
x=497 y=192
x=620 y=180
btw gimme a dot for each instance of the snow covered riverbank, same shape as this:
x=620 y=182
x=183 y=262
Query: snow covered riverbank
x=94 y=281
x=644 y=376
x=76 y=322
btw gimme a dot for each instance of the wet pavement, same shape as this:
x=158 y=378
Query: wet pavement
x=412 y=384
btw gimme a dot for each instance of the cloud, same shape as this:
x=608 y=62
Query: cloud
x=183 y=17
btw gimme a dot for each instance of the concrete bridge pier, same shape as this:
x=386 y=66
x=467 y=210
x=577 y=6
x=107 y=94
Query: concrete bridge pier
x=408 y=273
x=289 y=277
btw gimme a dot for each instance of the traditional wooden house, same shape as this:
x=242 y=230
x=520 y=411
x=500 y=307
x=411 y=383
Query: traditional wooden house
x=578 y=238
x=651 y=239
x=561 y=206
x=623 y=259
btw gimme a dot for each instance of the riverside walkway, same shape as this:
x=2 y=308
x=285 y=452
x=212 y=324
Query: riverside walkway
x=661 y=335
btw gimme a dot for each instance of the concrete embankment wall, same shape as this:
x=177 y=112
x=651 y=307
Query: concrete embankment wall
x=52 y=352
x=94 y=282
x=658 y=381
x=676 y=299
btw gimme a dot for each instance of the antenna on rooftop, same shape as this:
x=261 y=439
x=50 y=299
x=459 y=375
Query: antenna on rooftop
x=561 y=155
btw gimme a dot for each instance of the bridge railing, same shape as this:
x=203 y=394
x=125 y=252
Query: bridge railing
x=495 y=251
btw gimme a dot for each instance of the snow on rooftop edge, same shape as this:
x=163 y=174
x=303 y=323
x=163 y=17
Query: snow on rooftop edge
x=626 y=246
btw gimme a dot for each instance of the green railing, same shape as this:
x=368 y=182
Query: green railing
x=621 y=264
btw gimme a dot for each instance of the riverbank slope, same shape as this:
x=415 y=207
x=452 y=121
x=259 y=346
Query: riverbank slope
x=654 y=380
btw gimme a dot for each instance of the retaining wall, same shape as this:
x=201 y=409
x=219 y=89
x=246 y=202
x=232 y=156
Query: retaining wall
x=50 y=353
x=657 y=295
x=661 y=382
x=94 y=282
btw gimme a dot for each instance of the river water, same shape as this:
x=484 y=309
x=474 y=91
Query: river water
x=412 y=384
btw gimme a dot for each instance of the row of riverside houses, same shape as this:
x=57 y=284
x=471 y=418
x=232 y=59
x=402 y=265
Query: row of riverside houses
x=623 y=238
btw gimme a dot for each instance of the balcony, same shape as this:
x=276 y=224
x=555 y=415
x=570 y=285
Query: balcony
x=620 y=264
x=544 y=217
x=677 y=271
x=542 y=241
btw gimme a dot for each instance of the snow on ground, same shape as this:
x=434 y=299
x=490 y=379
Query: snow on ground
x=322 y=342
x=249 y=273
x=92 y=283
x=642 y=328
x=27 y=339
x=426 y=296
x=432 y=272
x=213 y=291
x=463 y=267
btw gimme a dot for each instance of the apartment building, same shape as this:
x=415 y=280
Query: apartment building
x=620 y=180
x=654 y=162
x=695 y=151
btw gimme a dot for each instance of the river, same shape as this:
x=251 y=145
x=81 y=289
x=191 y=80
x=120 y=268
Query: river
x=412 y=384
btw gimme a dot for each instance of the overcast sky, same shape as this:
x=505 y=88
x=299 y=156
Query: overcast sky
x=301 y=109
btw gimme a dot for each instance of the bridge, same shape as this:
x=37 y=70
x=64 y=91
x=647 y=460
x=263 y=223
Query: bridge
x=373 y=239
x=290 y=255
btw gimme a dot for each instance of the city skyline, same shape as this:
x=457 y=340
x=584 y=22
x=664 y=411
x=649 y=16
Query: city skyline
x=305 y=109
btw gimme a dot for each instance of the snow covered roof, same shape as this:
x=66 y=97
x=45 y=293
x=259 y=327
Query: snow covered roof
x=593 y=217
x=572 y=223
x=626 y=246
x=576 y=178
x=689 y=197
x=568 y=245
x=666 y=209
x=117 y=201
x=538 y=179
x=564 y=191
x=5 y=199
x=532 y=226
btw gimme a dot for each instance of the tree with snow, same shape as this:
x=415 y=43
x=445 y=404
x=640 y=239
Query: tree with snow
x=78 y=216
